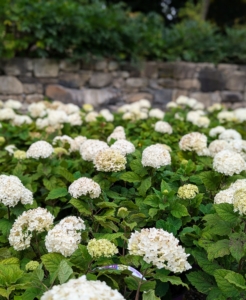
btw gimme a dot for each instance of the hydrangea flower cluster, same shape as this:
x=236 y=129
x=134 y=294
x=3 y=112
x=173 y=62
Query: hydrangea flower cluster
x=226 y=196
x=40 y=149
x=194 y=141
x=65 y=237
x=163 y=127
x=13 y=191
x=239 y=201
x=160 y=248
x=124 y=147
x=117 y=134
x=101 y=248
x=38 y=219
x=84 y=186
x=81 y=288
x=156 y=156
x=188 y=191
x=90 y=148
x=109 y=160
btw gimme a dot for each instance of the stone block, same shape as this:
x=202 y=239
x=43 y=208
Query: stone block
x=211 y=80
x=45 y=67
x=227 y=67
x=235 y=81
x=34 y=98
x=70 y=80
x=168 y=83
x=149 y=70
x=229 y=96
x=160 y=96
x=189 y=84
x=19 y=97
x=130 y=98
x=69 y=66
x=10 y=85
x=101 y=65
x=113 y=66
x=85 y=76
x=100 y=80
x=177 y=92
x=136 y=82
x=32 y=88
x=17 y=66
x=119 y=83
x=206 y=98
x=99 y=97
x=133 y=70
x=65 y=95
x=177 y=70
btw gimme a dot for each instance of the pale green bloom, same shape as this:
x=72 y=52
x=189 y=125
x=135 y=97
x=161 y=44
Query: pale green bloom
x=188 y=191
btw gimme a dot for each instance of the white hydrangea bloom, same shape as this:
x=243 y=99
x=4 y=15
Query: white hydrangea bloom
x=107 y=115
x=214 y=107
x=177 y=116
x=239 y=201
x=82 y=288
x=56 y=117
x=38 y=219
x=6 y=114
x=191 y=102
x=13 y=191
x=117 y=134
x=109 y=160
x=65 y=139
x=226 y=116
x=163 y=127
x=192 y=115
x=228 y=162
x=203 y=152
x=144 y=103
x=216 y=146
x=160 y=248
x=124 y=147
x=90 y=148
x=156 y=113
x=14 y=104
x=65 y=237
x=79 y=140
x=194 y=141
x=124 y=108
x=240 y=114
x=69 y=108
x=156 y=156
x=40 y=149
x=238 y=146
x=19 y=120
x=10 y=149
x=42 y=123
x=238 y=184
x=84 y=186
x=224 y=196
x=198 y=106
x=182 y=100
x=171 y=105
x=91 y=116
x=216 y=131
x=37 y=110
x=230 y=134
x=74 y=119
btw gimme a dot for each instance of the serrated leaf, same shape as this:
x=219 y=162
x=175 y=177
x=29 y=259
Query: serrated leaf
x=236 y=279
x=228 y=289
x=4 y=293
x=215 y=225
x=138 y=168
x=50 y=184
x=132 y=283
x=64 y=271
x=206 y=265
x=81 y=258
x=218 y=249
x=226 y=213
x=201 y=281
x=172 y=279
x=109 y=236
x=171 y=224
x=64 y=173
x=44 y=169
x=5 y=226
x=195 y=179
x=147 y=285
x=9 y=274
x=10 y=261
x=179 y=210
x=52 y=261
x=211 y=180
x=144 y=186
x=236 y=245
x=57 y=193
x=215 y=293
x=152 y=200
x=150 y=295
x=130 y=177
x=81 y=206
x=32 y=293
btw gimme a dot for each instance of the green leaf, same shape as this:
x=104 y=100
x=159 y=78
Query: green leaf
x=10 y=261
x=81 y=206
x=4 y=293
x=196 y=179
x=138 y=168
x=150 y=295
x=52 y=261
x=57 y=193
x=132 y=283
x=218 y=249
x=215 y=225
x=179 y=210
x=44 y=169
x=228 y=289
x=226 y=213
x=171 y=224
x=201 y=281
x=144 y=186
x=211 y=180
x=64 y=271
x=206 y=265
x=109 y=236
x=172 y=279
x=64 y=173
x=32 y=293
x=81 y=258
x=130 y=177
x=215 y=293
x=152 y=200
x=50 y=184
x=147 y=285
x=5 y=226
x=236 y=245
x=9 y=274
x=236 y=279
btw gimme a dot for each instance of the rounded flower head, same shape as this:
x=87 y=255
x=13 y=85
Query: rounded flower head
x=91 y=116
x=40 y=149
x=194 y=141
x=228 y=162
x=84 y=186
x=156 y=113
x=124 y=147
x=188 y=191
x=224 y=196
x=2 y=140
x=216 y=146
x=117 y=134
x=160 y=248
x=226 y=116
x=14 y=104
x=163 y=127
x=109 y=160
x=239 y=201
x=65 y=237
x=240 y=114
x=156 y=156
x=81 y=288
x=87 y=107
x=216 y=131
x=12 y=191
x=230 y=134
x=38 y=219
x=101 y=248
x=19 y=154
x=90 y=148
